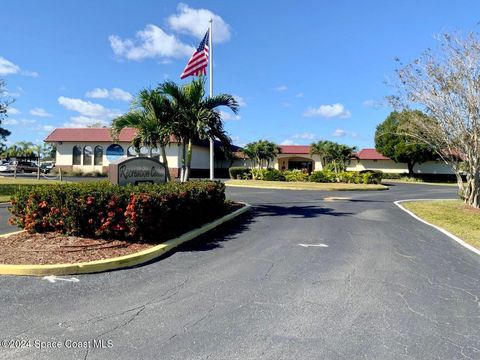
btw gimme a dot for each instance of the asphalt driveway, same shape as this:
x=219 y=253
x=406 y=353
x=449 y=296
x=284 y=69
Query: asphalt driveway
x=304 y=276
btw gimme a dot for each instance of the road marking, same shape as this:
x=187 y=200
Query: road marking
x=336 y=198
x=53 y=279
x=313 y=245
x=449 y=234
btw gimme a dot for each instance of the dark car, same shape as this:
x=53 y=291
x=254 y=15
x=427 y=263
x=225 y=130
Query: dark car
x=26 y=166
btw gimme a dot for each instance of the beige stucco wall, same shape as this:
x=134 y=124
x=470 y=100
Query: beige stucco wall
x=64 y=155
x=387 y=166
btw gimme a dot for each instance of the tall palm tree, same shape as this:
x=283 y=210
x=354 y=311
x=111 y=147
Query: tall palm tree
x=196 y=117
x=150 y=115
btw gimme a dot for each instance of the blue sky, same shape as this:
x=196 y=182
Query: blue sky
x=302 y=70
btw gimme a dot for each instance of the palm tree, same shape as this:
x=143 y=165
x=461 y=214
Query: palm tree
x=332 y=153
x=150 y=115
x=196 y=117
x=261 y=152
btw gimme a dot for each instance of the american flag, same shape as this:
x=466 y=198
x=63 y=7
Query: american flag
x=198 y=62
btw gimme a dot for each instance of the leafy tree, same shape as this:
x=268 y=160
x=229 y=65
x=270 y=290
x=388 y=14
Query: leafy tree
x=150 y=115
x=261 y=153
x=391 y=141
x=196 y=117
x=444 y=82
x=48 y=151
x=338 y=155
x=4 y=103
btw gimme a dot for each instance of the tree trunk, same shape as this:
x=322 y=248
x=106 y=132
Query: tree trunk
x=410 y=166
x=165 y=162
x=189 y=160
x=184 y=160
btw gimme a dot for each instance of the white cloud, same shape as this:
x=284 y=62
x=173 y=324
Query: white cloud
x=119 y=94
x=113 y=94
x=13 y=111
x=97 y=93
x=23 y=122
x=40 y=112
x=288 y=142
x=304 y=136
x=9 y=121
x=286 y=104
x=339 y=133
x=84 y=121
x=89 y=113
x=342 y=133
x=299 y=95
x=329 y=111
x=195 y=22
x=152 y=42
x=47 y=128
x=240 y=100
x=281 y=88
x=7 y=67
x=226 y=116
x=33 y=74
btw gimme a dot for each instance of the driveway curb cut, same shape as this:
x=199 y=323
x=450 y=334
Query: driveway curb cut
x=118 y=262
x=449 y=234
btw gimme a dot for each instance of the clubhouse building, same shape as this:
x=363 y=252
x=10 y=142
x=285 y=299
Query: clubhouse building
x=93 y=149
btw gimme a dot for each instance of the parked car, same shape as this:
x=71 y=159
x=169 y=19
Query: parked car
x=22 y=167
x=46 y=167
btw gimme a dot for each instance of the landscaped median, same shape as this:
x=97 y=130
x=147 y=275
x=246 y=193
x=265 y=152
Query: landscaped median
x=262 y=184
x=86 y=228
x=460 y=220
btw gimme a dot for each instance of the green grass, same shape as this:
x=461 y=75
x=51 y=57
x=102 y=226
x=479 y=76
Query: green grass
x=453 y=216
x=283 y=185
x=8 y=185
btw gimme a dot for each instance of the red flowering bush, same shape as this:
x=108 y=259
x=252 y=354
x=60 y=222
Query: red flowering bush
x=100 y=209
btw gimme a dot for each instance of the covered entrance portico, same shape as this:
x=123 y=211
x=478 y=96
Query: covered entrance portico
x=296 y=162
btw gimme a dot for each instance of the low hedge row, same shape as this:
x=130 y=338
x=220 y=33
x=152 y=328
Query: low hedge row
x=100 y=209
x=323 y=176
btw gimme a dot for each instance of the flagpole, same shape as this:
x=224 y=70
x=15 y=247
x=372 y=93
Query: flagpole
x=210 y=59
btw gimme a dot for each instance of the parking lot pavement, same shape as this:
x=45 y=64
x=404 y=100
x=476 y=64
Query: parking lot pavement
x=300 y=277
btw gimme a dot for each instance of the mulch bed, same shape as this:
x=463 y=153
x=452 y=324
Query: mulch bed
x=54 y=248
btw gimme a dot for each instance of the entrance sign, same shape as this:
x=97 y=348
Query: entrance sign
x=136 y=170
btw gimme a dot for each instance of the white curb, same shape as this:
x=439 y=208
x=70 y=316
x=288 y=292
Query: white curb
x=450 y=235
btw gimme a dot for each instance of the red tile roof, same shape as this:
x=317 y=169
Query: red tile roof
x=370 y=154
x=90 y=135
x=295 y=149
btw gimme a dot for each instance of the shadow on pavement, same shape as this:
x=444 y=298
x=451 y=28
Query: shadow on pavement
x=296 y=211
x=225 y=232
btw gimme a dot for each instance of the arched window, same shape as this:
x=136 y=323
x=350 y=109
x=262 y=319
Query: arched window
x=131 y=151
x=76 y=156
x=114 y=152
x=87 y=155
x=144 y=151
x=98 y=155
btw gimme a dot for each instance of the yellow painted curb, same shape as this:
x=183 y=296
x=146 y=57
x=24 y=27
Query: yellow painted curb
x=118 y=262
x=279 y=187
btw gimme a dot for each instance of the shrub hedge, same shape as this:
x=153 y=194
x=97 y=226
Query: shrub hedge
x=100 y=209
x=239 y=171
x=323 y=176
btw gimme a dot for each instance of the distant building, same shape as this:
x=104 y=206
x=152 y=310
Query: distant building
x=298 y=157
x=93 y=149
